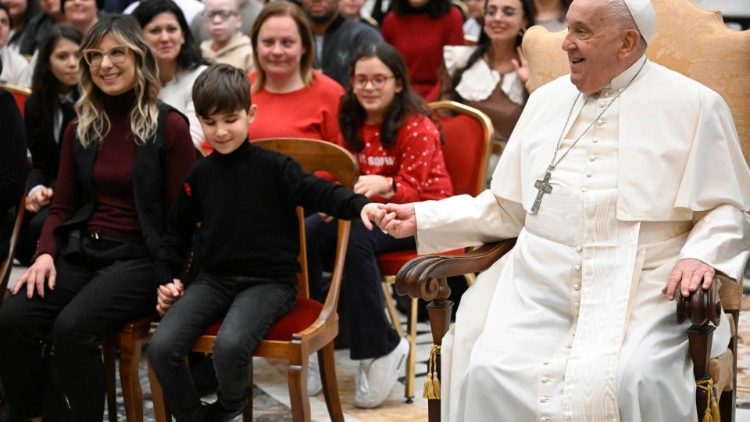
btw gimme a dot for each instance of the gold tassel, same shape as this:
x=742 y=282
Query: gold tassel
x=432 y=383
x=712 y=413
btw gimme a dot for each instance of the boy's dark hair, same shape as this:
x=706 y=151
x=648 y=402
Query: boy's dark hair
x=221 y=88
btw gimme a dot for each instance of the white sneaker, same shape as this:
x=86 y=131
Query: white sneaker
x=314 y=384
x=377 y=377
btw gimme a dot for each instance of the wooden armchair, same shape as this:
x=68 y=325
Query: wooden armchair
x=6 y=265
x=310 y=326
x=691 y=41
x=468 y=134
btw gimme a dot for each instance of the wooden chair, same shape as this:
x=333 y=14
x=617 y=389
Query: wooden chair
x=20 y=94
x=691 y=41
x=468 y=134
x=311 y=326
x=7 y=264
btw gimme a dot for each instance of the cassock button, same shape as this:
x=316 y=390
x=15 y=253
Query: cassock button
x=592 y=158
x=595 y=140
x=577 y=286
x=600 y=122
x=545 y=380
x=588 y=174
x=545 y=363
x=546 y=419
x=544 y=399
x=579 y=249
x=577 y=267
x=576 y=304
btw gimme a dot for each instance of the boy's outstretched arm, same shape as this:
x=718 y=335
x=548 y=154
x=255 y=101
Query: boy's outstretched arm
x=398 y=220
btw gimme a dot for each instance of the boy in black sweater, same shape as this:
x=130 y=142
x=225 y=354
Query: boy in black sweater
x=246 y=248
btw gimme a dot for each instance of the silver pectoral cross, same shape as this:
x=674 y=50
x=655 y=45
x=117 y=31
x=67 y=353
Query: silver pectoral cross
x=542 y=186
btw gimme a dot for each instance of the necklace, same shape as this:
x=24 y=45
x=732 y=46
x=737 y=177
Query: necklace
x=542 y=185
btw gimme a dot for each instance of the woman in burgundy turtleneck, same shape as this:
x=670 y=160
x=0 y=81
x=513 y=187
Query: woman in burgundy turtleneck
x=122 y=164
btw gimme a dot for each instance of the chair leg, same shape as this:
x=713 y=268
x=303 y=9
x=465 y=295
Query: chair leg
x=330 y=387
x=390 y=306
x=161 y=413
x=411 y=359
x=130 y=358
x=297 y=380
x=247 y=414
x=108 y=352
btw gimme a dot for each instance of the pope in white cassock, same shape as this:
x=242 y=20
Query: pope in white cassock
x=623 y=182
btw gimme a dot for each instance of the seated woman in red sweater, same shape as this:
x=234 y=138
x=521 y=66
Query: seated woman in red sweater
x=398 y=149
x=419 y=29
x=292 y=100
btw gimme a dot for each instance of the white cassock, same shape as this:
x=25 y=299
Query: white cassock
x=571 y=325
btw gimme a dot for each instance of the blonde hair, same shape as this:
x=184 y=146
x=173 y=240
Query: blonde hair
x=279 y=9
x=93 y=122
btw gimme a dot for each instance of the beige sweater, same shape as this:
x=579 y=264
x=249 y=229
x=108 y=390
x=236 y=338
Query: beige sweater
x=238 y=52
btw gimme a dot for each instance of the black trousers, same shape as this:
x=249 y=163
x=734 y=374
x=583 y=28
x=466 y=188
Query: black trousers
x=249 y=306
x=370 y=333
x=98 y=290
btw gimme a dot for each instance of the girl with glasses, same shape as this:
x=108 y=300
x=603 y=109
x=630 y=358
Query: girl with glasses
x=177 y=54
x=49 y=109
x=387 y=127
x=122 y=164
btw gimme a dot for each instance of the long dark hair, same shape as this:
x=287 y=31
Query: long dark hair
x=190 y=55
x=32 y=6
x=434 y=8
x=351 y=113
x=484 y=43
x=44 y=85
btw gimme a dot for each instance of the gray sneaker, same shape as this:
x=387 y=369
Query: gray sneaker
x=377 y=377
x=314 y=384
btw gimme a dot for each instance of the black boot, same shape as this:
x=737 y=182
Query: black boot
x=218 y=413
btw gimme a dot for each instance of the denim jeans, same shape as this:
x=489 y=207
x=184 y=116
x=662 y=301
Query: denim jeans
x=249 y=306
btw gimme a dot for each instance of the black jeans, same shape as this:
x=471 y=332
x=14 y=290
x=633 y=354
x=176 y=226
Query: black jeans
x=98 y=290
x=249 y=306
x=370 y=333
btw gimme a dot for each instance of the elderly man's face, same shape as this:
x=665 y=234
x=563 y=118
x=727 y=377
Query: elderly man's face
x=592 y=44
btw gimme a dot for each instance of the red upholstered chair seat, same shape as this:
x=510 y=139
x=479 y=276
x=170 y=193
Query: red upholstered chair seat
x=304 y=313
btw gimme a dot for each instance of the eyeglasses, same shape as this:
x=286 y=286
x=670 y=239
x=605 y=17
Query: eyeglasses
x=377 y=81
x=506 y=12
x=221 y=14
x=94 y=57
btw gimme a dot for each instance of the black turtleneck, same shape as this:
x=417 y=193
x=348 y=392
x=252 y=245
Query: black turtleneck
x=245 y=201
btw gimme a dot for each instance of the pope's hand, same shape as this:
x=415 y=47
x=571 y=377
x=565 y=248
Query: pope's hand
x=687 y=275
x=399 y=221
x=167 y=295
x=43 y=269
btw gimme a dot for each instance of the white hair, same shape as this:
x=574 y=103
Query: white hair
x=619 y=12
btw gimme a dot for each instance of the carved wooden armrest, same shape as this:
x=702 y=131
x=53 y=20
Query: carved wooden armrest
x=425 y=277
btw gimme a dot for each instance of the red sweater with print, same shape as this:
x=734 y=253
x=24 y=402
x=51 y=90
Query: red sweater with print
x=310 y=112
x=420 y=40
x=415 y=161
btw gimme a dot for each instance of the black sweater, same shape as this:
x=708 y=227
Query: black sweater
x=245 y=202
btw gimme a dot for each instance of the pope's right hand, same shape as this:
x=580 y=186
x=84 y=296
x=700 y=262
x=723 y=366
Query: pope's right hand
x=38 y=199
x=167 y=295
x=399 y=221
x=43 y=269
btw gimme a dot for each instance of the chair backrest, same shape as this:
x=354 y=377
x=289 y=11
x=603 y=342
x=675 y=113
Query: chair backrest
x=688 y=39
x=468 y=134
x=20 y=94
x=315 y=155
x=7 y=263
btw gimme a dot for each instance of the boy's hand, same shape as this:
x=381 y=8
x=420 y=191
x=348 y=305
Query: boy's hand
x=399 y=221
x=372 y=213
x=167 y=295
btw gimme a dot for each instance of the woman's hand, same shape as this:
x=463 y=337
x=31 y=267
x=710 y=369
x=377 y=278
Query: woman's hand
x=167 y=295
x=373 y=184
x=521 y=66
x=38 y=199
x=42 y=269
